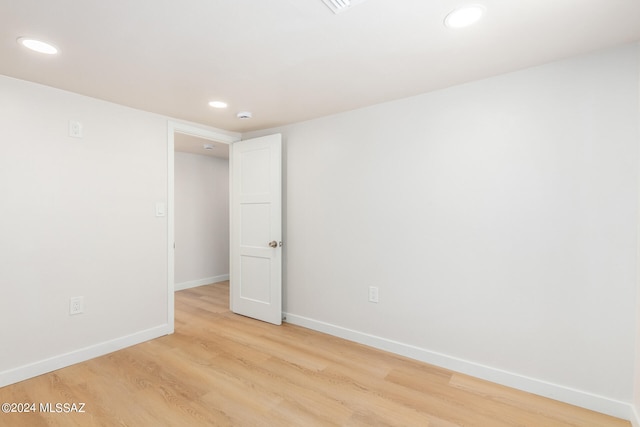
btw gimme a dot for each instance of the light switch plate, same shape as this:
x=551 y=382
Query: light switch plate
x=161 y=209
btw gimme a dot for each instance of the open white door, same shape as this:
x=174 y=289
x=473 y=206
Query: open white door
x=256 y=228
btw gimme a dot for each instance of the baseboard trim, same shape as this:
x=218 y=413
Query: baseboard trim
x=31 y=370
x=542 y=388
x=195 y=283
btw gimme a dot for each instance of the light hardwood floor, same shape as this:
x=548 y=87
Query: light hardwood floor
x=221 y=369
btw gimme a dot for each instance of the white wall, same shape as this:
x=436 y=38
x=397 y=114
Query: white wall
x=201 y=219
x=498 y=218
x=78 y=219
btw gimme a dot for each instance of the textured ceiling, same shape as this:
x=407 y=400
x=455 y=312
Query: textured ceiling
x=290 y=60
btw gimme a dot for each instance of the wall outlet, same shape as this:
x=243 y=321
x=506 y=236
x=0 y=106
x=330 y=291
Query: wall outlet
x=75 y=129
x=76 y=305
x=373 y=294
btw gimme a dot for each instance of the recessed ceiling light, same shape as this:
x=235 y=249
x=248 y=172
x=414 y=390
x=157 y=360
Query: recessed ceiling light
x=208 y=146
x=245 y=115
x=218 y=104
x=37 y=45
x=464 y=16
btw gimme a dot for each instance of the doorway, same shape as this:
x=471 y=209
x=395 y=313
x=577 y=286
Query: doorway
x=191 y=147
x=201 y=212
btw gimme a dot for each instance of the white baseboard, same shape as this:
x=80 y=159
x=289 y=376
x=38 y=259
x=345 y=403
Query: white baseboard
x=31 y=370
x=542 y=388
x=200 y=282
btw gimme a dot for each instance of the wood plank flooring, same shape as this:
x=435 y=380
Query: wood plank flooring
x=221 y=369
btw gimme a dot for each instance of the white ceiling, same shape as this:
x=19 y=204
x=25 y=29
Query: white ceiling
x=290 y=60
x=195 y=145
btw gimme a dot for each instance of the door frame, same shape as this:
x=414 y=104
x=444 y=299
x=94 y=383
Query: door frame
x=212 y=135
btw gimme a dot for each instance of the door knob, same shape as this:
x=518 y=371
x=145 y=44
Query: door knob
x=273 y=244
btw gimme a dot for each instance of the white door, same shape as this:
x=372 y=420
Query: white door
x=256 y=228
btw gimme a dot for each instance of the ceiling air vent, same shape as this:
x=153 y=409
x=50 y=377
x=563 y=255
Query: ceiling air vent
x=338 y=6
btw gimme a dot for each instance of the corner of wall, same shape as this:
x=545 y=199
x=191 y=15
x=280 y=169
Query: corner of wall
x=635 y=416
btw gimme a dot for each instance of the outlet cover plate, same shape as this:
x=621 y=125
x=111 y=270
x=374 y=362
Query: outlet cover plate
x=75 y=129
x=373 y=294
x=76 y=305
